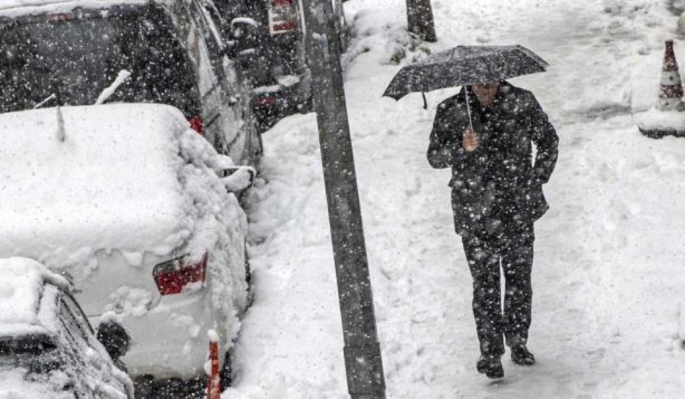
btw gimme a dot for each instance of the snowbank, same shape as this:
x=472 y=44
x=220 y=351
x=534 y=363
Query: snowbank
x=655 y=119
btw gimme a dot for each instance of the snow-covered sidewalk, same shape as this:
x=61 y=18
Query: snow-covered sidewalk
x=608 y=281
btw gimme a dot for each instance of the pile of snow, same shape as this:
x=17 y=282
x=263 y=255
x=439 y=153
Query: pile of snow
x=656 y=119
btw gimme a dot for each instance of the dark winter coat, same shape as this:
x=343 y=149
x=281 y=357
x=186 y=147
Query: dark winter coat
x=497 y=182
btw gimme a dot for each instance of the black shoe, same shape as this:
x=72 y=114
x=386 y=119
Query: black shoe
x=521 y=356
x=491 y=366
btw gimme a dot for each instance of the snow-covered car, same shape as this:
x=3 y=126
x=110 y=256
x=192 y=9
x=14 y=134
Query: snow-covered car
x=127 y=200
x=273 y=30
x=65 y=52
x=47 y=347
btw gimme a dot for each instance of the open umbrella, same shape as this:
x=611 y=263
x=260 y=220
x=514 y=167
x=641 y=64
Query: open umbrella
x=464 y=65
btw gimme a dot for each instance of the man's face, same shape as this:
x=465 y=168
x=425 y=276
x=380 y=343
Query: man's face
x=486 y=92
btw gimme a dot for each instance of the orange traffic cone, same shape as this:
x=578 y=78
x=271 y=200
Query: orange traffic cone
x=214 y=381
x=671 y=91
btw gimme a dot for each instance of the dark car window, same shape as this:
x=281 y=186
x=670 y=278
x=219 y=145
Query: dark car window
x=76 y=58
x=32 y=344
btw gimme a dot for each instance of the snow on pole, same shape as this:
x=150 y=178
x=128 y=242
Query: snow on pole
x=107 y=93
x=214 y=382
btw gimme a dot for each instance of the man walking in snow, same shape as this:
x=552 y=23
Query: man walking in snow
x=496 y=198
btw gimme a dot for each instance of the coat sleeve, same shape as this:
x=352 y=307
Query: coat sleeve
x=546 y=140
x=445 y=149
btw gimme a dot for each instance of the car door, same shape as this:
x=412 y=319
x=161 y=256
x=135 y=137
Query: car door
x=240 y=132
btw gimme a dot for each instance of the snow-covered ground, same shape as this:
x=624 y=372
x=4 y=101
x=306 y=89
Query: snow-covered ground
x=609 y=303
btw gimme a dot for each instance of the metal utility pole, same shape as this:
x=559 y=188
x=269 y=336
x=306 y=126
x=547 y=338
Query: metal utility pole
x=363 y=361
x=420 y=17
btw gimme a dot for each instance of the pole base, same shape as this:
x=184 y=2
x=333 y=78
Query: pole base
x=365 y=378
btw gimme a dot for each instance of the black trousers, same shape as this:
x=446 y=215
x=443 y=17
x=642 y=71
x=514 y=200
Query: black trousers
x=510 y=248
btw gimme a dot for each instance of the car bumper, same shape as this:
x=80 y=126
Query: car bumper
x=170 y=340
x=283 y=97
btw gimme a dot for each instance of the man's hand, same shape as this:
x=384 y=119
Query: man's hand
x=470 y=141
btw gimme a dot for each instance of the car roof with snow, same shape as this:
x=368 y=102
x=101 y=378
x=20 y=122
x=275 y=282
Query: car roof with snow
x=91 y=178
x=22 y=283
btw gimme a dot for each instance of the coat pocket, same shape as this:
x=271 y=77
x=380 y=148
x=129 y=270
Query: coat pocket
x=531 y=203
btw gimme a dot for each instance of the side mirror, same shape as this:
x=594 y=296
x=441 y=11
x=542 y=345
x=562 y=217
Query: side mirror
x=238 y=178
x=114 y=337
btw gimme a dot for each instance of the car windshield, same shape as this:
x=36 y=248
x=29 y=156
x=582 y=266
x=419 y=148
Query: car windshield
x=76 y=57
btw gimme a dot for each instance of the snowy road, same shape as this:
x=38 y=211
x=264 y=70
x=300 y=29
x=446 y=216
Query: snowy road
x=608 y=277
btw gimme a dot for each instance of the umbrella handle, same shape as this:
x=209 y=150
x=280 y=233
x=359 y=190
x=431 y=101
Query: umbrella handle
x=468 y=108
x=425 y=103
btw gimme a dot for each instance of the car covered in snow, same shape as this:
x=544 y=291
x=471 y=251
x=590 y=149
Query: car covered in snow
x=65 y=52
x=48 y=348
x=133 y=205
x=273 y=32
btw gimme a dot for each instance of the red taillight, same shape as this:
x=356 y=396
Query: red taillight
x=283 y=16
x=264 y=101
x=197 y=124
x=174 y=275
x=285 y=26
x=59 y=17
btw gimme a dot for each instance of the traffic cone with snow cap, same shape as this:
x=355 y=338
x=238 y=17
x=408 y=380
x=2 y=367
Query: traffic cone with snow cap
x=671 y=92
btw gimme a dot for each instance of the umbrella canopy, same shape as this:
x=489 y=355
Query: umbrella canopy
x=464 y=65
